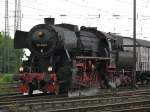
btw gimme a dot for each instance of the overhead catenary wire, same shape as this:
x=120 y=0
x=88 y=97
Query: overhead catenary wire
x=33 y=5
x=138 y=5
x=39 y=9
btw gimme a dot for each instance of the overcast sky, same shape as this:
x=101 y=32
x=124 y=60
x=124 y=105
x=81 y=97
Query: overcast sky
x=83 y=12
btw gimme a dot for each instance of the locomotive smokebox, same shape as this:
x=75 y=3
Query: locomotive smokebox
x=49 y=21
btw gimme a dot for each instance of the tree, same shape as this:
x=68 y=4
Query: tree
x=10 y=58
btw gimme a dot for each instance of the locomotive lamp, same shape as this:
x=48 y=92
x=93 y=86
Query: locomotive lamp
x=40 y=34
x=21 y=69
x=49 y=68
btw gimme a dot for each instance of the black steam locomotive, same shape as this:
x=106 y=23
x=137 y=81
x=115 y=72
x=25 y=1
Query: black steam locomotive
x=64 y=57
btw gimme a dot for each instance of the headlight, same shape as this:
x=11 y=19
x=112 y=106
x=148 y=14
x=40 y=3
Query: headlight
x=21 y=69
x=40 y=34
x=49 y=68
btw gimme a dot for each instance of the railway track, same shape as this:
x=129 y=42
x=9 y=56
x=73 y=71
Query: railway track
x=15 y=93
x=102 y=91
x=138 y=109
x=140 y=106
x=19 y=99
x=82 y=104
x=16 y=101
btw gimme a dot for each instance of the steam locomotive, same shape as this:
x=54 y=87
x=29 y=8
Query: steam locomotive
x=64 y=57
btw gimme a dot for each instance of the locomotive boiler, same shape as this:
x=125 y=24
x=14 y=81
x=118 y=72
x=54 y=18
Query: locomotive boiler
x=62 y=57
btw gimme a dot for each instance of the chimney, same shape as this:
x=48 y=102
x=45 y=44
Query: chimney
x=49 y=21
